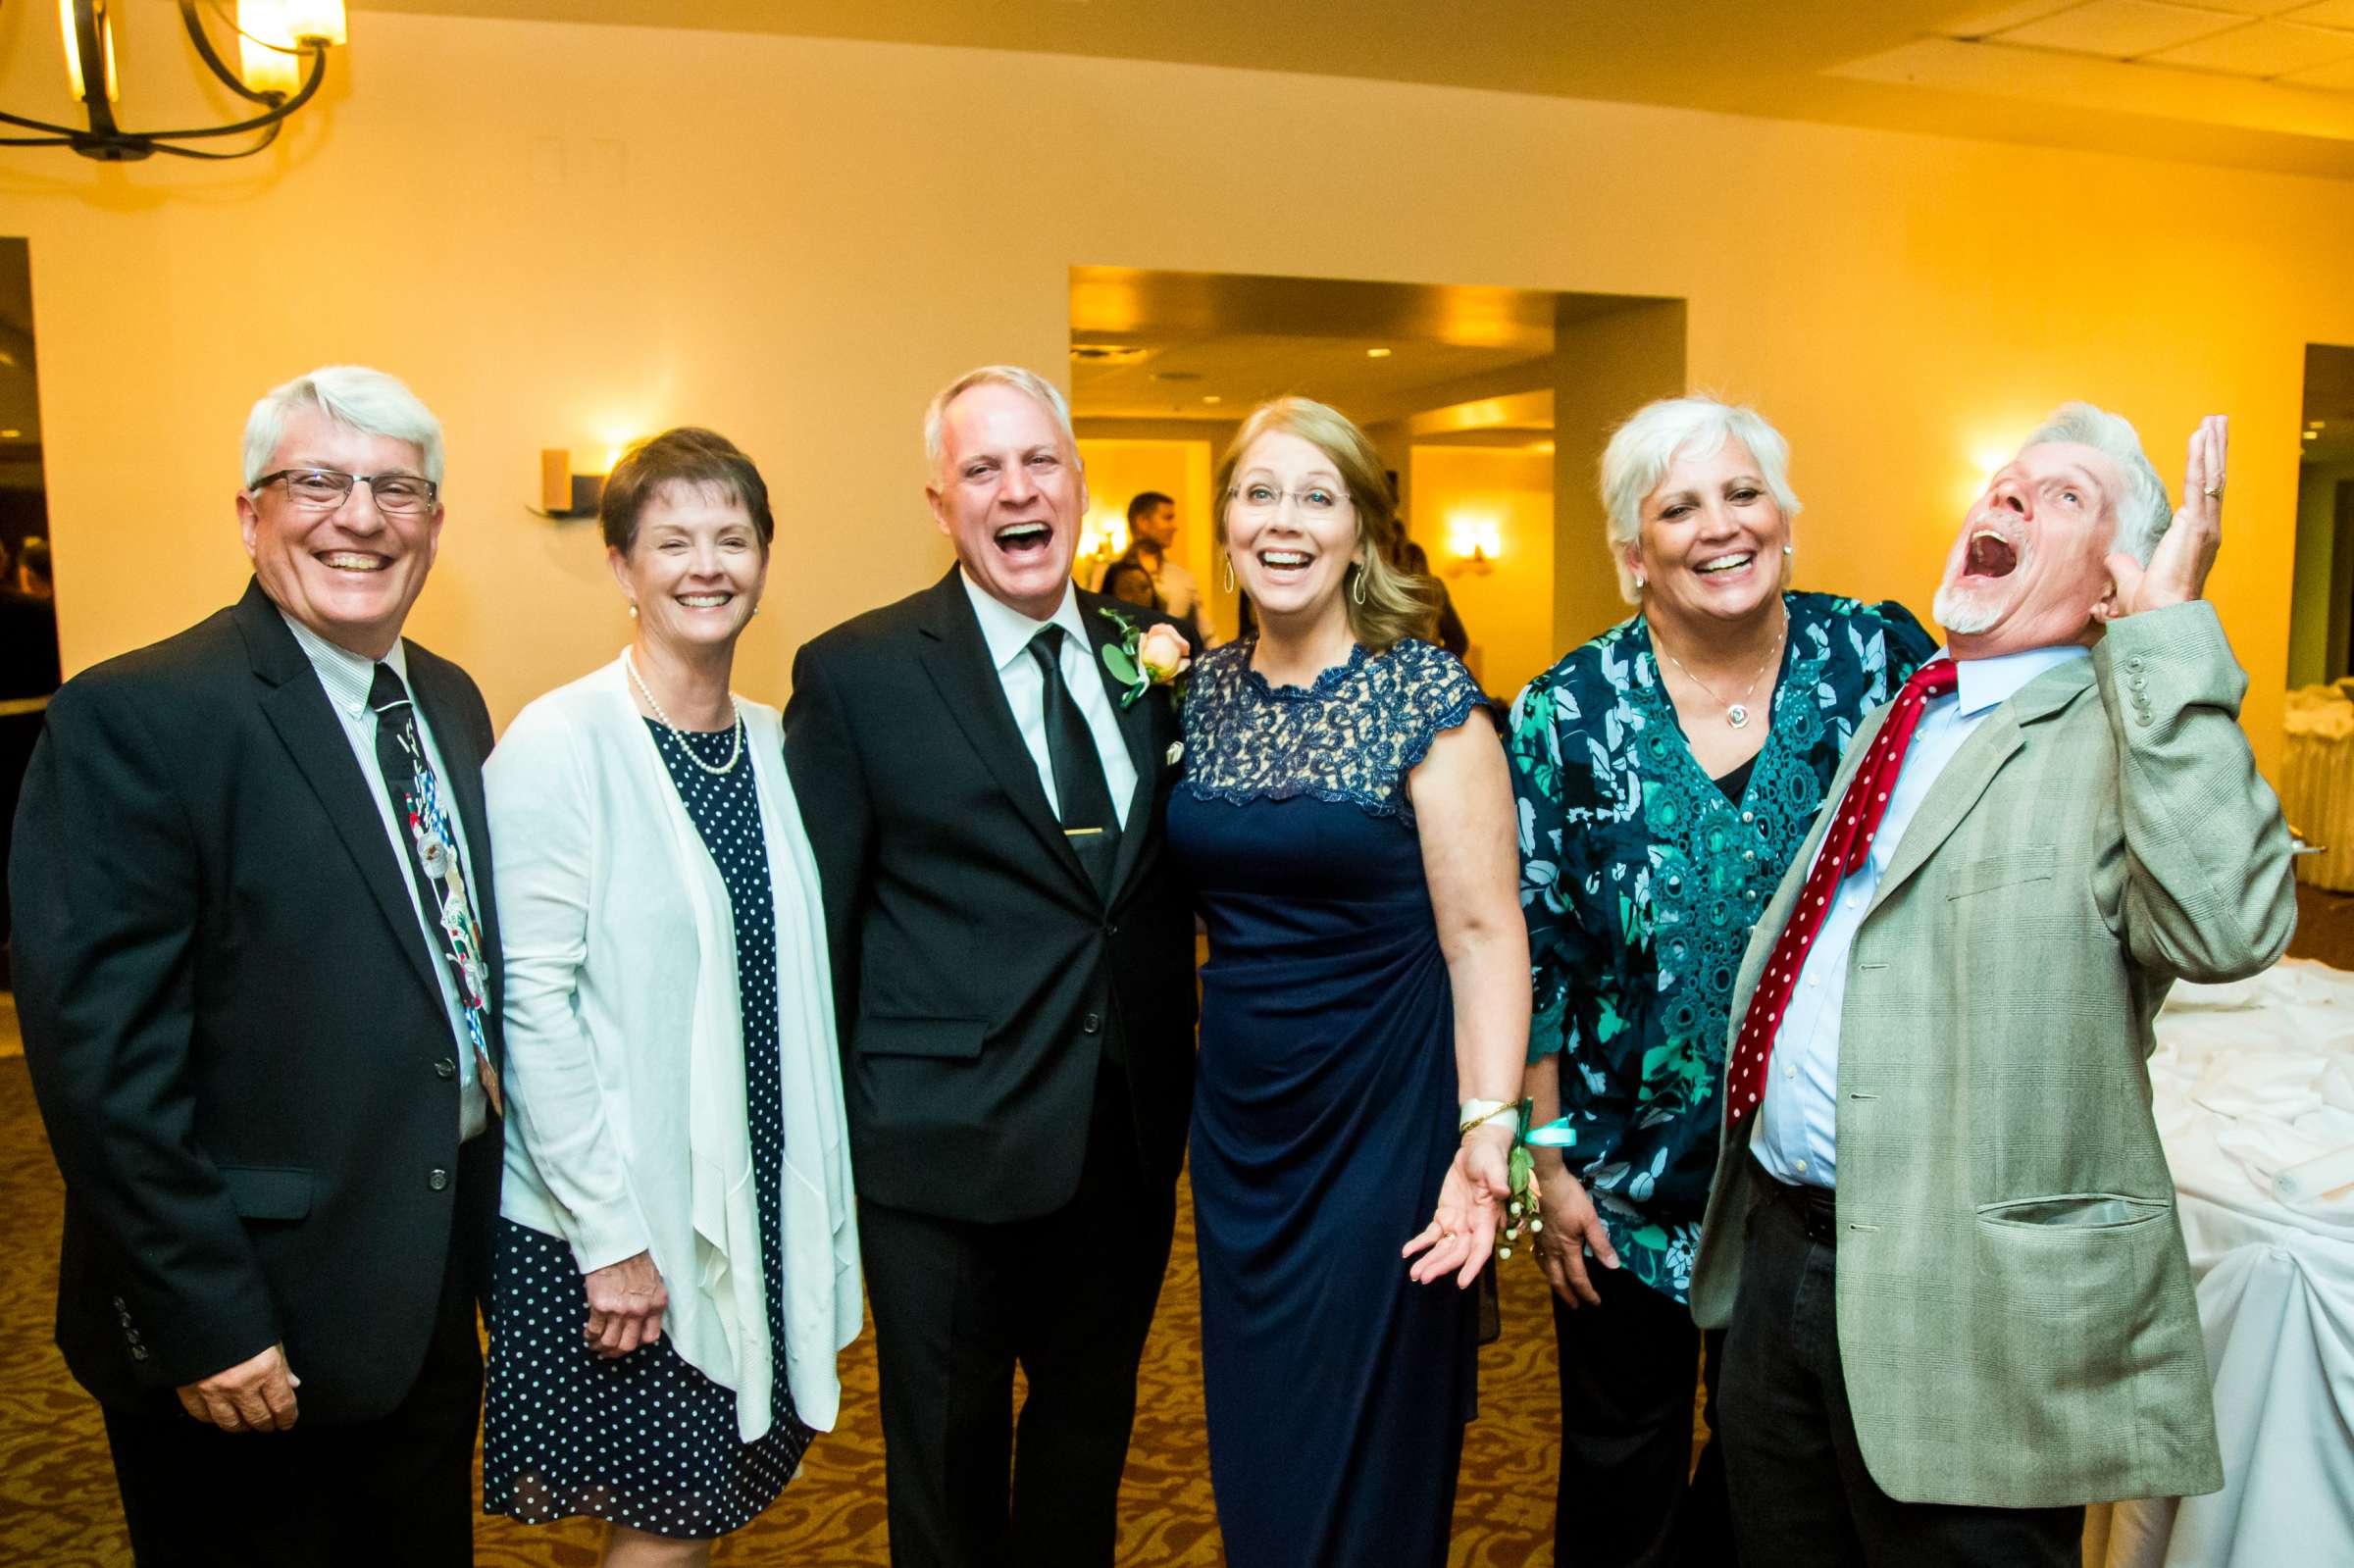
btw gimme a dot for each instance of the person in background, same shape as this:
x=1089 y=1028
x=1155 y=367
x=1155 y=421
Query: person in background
x=1449 y=633
x=33 y=580
x=1347 y=820
x=1666 y=772
x=1129 y=582
x=1152 y=538
x=1013 y=958
x=676 y=1266
x=1942 y=1237
x=257 y=965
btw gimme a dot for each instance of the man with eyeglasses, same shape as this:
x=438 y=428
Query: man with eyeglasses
x=257 y=967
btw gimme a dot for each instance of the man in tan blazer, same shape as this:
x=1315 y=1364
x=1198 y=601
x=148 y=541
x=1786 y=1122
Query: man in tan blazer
x=1942 y=1232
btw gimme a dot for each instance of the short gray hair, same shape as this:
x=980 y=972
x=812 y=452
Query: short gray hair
x=353 y=395
x=1644 y=448
x=2143 y=512
x=1029 y=382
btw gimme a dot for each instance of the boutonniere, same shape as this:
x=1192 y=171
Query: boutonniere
x=1146 y=657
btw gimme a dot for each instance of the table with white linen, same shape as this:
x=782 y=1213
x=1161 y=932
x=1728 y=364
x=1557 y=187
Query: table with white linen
x=2317 y=781
x=2253 y=1088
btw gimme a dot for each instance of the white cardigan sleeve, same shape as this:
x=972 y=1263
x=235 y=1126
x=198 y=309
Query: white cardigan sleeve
x=542 y=808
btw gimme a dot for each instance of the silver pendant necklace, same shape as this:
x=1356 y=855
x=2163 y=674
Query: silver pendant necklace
x=735 y=754
x=1736 y=714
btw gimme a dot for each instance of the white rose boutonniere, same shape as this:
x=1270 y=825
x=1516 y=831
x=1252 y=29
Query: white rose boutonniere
x=1146 y=657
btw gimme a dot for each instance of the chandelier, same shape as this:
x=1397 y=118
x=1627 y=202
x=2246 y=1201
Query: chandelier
x=281 y=59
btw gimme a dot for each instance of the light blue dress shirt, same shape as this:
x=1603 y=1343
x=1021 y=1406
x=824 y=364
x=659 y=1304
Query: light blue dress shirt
x=347 y=679
x=1009 y=633
x=1795 y=1134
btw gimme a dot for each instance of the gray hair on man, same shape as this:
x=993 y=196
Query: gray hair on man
x=1028 y=382
x=2143 y=512
x=1644 y=448
x=353 y=395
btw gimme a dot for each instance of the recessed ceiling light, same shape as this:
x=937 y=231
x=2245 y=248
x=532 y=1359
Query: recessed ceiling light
x=2313 y=436
x=1377 y=353
x=10 y=435
x=1212 y=397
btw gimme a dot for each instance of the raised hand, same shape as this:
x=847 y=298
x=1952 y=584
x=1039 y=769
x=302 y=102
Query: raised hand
x=1463 y=1228
x=2177 y=570
x=625 y=1302
x=254 y=1396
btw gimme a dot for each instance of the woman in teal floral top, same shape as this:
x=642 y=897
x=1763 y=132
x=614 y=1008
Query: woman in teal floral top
x=1666 y=773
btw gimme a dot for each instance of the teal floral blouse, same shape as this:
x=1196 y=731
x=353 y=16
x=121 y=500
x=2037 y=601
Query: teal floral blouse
x=1639 y=881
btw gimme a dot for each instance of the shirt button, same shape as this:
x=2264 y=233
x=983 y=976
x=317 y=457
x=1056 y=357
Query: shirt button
x=1799 y=1165
x=445 y=1069
x=1091 y=1023
x=438 y=1178
x=1854 y=899
x=1813 y=979
x=1789 y=1069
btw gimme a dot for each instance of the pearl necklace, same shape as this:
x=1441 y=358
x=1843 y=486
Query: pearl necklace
x=1736 y=714
x=735 y=755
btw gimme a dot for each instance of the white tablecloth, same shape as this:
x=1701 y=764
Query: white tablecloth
x=2251 y=1081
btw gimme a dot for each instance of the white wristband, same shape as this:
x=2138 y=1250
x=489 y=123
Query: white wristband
x=1478 y=1113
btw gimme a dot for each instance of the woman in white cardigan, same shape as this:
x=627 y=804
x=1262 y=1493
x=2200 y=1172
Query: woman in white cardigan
x=677 y=1262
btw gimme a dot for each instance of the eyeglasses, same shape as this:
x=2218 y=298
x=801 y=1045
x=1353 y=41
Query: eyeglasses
x=325 y=489
x=1262 y=500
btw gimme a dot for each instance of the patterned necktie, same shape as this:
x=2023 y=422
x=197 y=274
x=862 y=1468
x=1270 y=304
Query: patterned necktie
x=1845 y=845
x=426 y=831
x=1089 y=821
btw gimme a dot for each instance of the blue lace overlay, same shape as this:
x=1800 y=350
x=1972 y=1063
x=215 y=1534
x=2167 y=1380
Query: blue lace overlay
x=1353 y=736
x=1639 y=881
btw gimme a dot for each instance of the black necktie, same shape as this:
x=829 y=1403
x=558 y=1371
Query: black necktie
x=1088 y=817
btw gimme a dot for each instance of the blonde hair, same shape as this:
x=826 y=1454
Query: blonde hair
x=1398 y=603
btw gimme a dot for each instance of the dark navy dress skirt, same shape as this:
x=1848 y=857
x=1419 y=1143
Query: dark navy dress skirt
x=646 y=1441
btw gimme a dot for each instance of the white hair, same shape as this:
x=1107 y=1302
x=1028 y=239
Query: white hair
x=1644 y=448
x=1028 y=382
x=353 y=395
x=2144 y=511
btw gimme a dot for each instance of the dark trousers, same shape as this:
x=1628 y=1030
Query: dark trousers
x=397 y=1489
x=1629 y=1368
x=1800 y=1489
x=957 y=1304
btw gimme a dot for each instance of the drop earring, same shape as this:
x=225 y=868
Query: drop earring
x=1356 y=591
x=1228 y=560
x=632 y=609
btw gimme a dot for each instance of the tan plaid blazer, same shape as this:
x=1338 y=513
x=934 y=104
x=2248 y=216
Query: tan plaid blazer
x=2016 y=1315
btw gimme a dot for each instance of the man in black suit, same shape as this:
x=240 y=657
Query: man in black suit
x=1013 y=959
x=257 y=971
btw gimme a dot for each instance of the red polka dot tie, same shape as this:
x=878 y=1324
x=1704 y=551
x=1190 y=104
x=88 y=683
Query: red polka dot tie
x=1844 y=846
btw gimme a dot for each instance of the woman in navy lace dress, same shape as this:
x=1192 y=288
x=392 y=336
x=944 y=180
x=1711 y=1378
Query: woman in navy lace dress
x=1347 y=820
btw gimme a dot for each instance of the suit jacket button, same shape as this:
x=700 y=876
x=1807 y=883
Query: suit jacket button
x=1111 y=927
x=138 y=1352
x=436 y=1178
x=445 y=1069
x=1092 y=1023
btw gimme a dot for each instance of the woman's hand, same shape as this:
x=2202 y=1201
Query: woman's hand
x=1570 y=1227
x=1463 y=1228
x=625 y=1306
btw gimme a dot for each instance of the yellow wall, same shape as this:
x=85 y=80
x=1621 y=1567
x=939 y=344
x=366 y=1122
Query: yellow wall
x=559 y=231
x=1118 y=470
x=1507 y=610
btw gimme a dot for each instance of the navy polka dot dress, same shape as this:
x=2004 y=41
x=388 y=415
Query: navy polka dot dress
x=646 y=1440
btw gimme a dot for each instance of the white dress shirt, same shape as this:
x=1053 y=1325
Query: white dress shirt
x=1007 y=633
x=1795 y=1135
x=347 y=679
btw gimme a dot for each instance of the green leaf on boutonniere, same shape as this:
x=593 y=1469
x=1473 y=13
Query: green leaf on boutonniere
x=1122 y=664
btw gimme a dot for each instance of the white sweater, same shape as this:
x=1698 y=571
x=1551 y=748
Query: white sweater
x=625 y=1080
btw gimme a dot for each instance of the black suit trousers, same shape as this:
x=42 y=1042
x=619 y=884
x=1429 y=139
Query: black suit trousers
x=1069 y=1298
x=1800 y=1493
x=397 y=1489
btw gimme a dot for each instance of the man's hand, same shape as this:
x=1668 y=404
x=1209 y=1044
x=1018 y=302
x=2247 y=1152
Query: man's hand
x=626 y=1300
x=256 y=1396
x=2177 y=571
x=1570 y=1227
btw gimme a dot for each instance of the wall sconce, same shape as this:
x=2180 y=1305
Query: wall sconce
x=1102 y=535
x=565 y=497
x=1476 y=543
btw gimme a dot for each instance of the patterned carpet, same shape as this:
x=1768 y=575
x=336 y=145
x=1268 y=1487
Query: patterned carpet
x=58 y=1506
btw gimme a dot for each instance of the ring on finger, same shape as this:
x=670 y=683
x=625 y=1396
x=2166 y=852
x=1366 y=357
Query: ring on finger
x=2215 y=491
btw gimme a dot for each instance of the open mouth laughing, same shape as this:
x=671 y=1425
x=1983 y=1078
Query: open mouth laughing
x=1989 y=554
x=1285 y=564
x=1726 y=565
x=1022 y=538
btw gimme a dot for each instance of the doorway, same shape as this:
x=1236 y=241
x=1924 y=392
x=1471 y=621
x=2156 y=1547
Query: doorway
x=2321 y=613
x=29 y=657
x=1489 y=406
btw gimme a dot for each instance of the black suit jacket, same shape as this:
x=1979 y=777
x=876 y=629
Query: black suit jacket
x=234 y=1029
x=979 y=975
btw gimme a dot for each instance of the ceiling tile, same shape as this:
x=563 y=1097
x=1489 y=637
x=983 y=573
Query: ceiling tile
x=2122 y=29
x=2328 y=79
x=2256 y=8
x=1988 y=21
x=2261 y=49
x=2327 y=14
